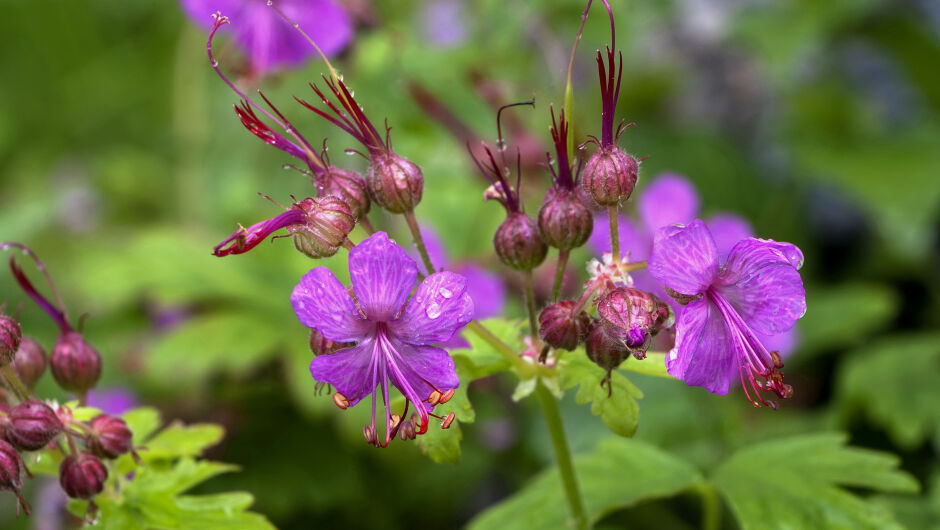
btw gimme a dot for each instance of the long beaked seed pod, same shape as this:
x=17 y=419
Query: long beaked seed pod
x=564 y=220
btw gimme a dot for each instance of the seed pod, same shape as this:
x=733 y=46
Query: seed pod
x=11 y=478
x=610 y=176
x=329 y=221
x=394 y=183
x=82 y=475
x=518 y=242
x=605 y=346
x=560 y=328
x=638 y=315
x=30 y=361
x=32 y=425
x=110 y=437
x=346 y=185
x=10 y=337
x=564 y=221
x=75 y=364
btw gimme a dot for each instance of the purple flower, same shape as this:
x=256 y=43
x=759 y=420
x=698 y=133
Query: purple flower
x=269 y=41
x=393 y=336
x=756 y=289
x=115 y=400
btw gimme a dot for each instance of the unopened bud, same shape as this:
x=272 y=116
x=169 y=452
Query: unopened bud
x=610 y=176
x=346 y=185
x=564 y=221
x=605 y=346
x=30 y=361
x=562 y=329
x=329 y=221
x=638 y=315
x=75 y=364
x=10 y=337
x=32 y=425
x=519 y=244
x=82 y=475
x=110 y=436
x=394 y=183
x=11 y=474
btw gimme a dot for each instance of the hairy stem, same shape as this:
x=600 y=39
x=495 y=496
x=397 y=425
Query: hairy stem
x=614 y=233
x=14 y=383
x=559 y=273
x=419 y=241
x=530 y=308
x=563 y=455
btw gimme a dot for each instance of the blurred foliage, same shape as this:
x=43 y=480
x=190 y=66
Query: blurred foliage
x=122 y=164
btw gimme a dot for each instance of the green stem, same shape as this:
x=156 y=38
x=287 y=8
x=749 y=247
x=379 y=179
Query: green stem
x=563 y=455
x=366 y=225
x=13 y=381
x=419 y=241
x=530 y=308
x=711 y=508
x=614 y=232
x=559 y=273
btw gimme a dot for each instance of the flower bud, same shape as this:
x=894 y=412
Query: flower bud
x=564 y=221
x=32 y=425
x=82 y=475
x=638 y=315
x=518 y=242
x=10 y=337
x=110 y=437
x=11 y=478
x=394 y=183
x=610 y=176
x=346 y=185
x=75 y=364
x=605 y=346
x=30 y=362
x=329 y=221
x=560 y=328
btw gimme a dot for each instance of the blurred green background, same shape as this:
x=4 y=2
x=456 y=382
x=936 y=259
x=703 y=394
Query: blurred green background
x=122 y=165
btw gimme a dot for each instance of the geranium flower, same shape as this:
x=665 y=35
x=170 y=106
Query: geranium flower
x=393 y=337
x=756 y=289
x=267 y=40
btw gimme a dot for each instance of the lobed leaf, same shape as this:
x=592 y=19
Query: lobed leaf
x=619 y=411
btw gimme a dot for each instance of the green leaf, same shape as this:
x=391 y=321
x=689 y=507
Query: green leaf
x=618 y=474
x=845 y=315
x=179 y=440
x=484 y=357
x=441 y=445
x=894 y=381
x=654 y=364
x=142 y=421
x=797 y=483
x=619 y=411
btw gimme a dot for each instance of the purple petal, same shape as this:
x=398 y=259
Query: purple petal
x=271 y=42
x=704 y=354
x=668 y=199
x=350 y=371
x=783 y=343
x=443 y=22
x=112 y=400
x=684 y=257
x=436 y=249
x=322 y=303
x=382 y=276
x=632 y=240
x=728 y=229
x=485 y=288
x=425 y=368
x=439 y=308
x=762 y=283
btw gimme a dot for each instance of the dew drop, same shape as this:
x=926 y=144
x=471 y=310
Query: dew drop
x=296 y=24
x=300 y=305
x=446 y=292
x=215 y=64
x=434 y=310
x=270 y=2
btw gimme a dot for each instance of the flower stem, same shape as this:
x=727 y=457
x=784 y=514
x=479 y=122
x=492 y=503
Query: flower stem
x=530 y=308
x=559 y=273
x=366 y=225
x=563 y=455
x=711 y=508
x=614 y=232
x=13 y=381
x=501 y=347
x=419 y=241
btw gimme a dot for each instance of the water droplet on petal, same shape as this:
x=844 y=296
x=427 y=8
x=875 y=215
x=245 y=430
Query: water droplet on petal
x=446 y=292
x=434 y=310
x=270 y=2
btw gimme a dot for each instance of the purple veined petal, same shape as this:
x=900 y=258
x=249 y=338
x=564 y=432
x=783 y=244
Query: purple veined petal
x=350 y=371
x=115 y=400
x=457 y=342
x=382 y=276
x=485 y=288
x=424 y=368
x=322 y=303
x=762 y=283
x=632 y=239
x=684 y=257
x=668 y=199
x=704 y=354
x=783 y=343
x=727 y=229
x=439 y=308
x=436 y=249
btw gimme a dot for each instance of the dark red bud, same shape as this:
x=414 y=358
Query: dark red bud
x=110 y=437
x=32 y=425
x=560 y=328
x=11 y=474
x=610 y=176
x=346 y=185
x=30 y=362
x=329 y=221
x=519 y=244
x=394 y=183
x=564 y=221
x=75 y=364
x=82 y=475
x=10 y=337
x=605 y=346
